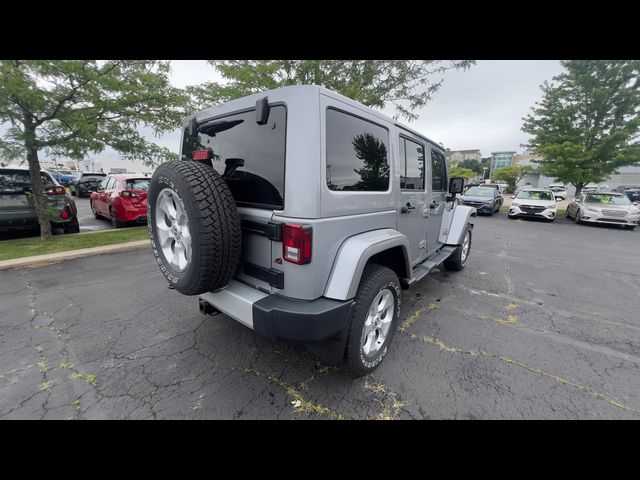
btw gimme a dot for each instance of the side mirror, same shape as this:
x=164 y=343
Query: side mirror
x=512 y=196
x=456 y=184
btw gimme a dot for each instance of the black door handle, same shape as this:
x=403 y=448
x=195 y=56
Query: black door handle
x=406 y=208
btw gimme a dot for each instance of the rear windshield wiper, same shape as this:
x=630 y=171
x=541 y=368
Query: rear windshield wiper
x=215 y=127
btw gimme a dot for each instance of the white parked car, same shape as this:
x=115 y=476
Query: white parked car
x=534 y=202
x=559 y=191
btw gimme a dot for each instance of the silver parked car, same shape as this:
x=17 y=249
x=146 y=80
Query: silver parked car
x=604 y=207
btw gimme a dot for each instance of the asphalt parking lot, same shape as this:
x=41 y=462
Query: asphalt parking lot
x=543 y=323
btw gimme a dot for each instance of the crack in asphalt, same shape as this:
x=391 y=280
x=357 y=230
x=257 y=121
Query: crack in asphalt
x=509 y=361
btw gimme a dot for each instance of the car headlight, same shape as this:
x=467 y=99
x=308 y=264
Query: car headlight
x=591 y=209
x=551 y=205
x=515 y=204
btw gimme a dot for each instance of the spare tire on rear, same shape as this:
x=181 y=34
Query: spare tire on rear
x=194 y=226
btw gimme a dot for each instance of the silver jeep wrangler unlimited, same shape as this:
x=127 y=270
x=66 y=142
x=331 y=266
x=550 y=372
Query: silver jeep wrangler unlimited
x=301 y=214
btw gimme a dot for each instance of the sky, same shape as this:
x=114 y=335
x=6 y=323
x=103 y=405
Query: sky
x=478 y=108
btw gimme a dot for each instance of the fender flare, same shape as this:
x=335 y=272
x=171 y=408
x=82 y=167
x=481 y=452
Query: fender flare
x=353 y=255
x=459 y=219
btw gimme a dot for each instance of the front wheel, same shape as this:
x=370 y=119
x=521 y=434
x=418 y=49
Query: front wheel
x=458 y=258
x=374 y=320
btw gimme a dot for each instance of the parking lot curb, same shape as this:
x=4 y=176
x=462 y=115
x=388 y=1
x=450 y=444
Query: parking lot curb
x=49 y=258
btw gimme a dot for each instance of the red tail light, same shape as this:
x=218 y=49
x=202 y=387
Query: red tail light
x=64 y=214
x=55 y=191
x=296 y=243
x=200 y=155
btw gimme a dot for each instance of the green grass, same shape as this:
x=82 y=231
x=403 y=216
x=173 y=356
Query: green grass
x=26 y=247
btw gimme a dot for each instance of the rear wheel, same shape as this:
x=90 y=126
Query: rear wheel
x=72 y=227
x=374 y=319
x=194 y=227
x=458 y=258
x=114 y=219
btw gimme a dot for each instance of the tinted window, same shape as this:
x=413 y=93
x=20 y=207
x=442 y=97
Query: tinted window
x=480 y=192
x=438 y=172
x=137 y=183
x=411 y=165
x=357 y=154
x=21 y=178
x=250 y=157
x=93 y=178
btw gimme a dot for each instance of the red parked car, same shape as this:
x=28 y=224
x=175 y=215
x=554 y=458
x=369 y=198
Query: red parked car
x=122 y=198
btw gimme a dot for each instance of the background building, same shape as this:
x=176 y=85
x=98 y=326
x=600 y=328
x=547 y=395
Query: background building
x=455 y=157
x=501 y=159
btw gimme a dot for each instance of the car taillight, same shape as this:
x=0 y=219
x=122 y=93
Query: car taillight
x=201 y=155
x=55 y=191
x=64 y=214
x=296 y=243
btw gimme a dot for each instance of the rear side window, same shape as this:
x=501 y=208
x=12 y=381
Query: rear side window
x=411 y=165
x=250 y=157
x=357 y=154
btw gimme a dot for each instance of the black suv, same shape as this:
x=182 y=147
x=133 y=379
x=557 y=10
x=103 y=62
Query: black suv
x=631 y=191
x=86 y=183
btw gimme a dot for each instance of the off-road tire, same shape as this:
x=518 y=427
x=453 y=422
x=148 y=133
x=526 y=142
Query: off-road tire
x=375 y=278
x=455 y=262
x=214 y=226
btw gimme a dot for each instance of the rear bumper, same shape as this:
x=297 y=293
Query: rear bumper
x=279 y=318
x=128 y=213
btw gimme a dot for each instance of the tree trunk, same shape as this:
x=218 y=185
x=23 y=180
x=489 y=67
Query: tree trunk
x=578 y=188
x=38 y=194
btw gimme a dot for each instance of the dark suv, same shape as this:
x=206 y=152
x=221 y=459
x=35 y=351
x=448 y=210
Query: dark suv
x=631 y=191
x=17 y=209
x=86 y=183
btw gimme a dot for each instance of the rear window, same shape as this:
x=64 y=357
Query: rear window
x=20 y=178
x=250 y=157
x=137 y=183
x=93 y=178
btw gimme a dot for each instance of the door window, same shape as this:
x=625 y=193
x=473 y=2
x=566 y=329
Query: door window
x=411 y=165
x=438 y=172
